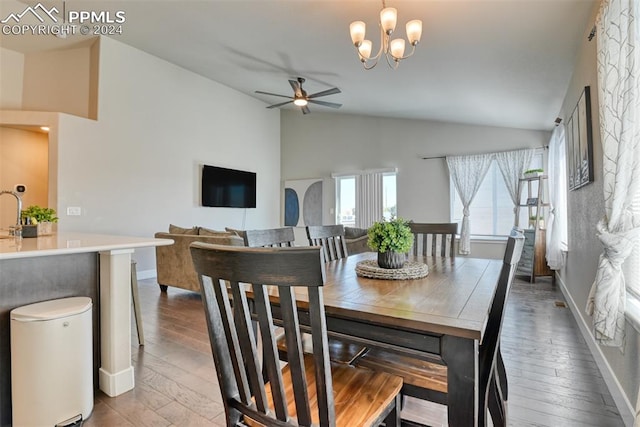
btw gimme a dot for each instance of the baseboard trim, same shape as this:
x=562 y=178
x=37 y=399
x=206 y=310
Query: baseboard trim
x=146 y=274
x=621 y=400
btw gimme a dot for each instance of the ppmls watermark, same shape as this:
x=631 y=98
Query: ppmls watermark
x=38 y=20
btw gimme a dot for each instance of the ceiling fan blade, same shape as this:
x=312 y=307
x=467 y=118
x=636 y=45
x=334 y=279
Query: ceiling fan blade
x=305 y=110
x=326 y=104
x=325 y=92
x=280 y=105
x=295 y=85
x=273 y=94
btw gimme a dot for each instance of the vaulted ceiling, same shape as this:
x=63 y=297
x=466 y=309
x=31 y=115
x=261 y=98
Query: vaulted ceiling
x=491 y=62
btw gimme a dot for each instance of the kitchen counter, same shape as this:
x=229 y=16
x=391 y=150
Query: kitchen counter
x=69 y=243
x=73 y=264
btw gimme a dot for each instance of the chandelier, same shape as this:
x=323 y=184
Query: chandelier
x=393 y=49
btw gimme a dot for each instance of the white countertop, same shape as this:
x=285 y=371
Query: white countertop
x=71 y=243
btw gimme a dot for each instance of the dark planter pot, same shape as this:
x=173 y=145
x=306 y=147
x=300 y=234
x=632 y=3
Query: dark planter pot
x=391 y=259
x=29 y=231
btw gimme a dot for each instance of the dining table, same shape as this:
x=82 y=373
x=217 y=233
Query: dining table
x=441 y=318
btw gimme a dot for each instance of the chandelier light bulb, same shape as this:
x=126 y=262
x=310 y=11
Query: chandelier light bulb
x=388 y=19
x=397 y=48
x=365 y=49
x=414 y=31
x=357 y=30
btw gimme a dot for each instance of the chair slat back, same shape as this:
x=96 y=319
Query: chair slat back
x=331 y=238
x=427 y=238
x=272 y=237
x=233 y=341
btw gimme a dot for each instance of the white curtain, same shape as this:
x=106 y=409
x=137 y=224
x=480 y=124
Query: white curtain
x=369 y=199
x=512 y=165
x=557 y=224
x=467 y=173
x=618 y=56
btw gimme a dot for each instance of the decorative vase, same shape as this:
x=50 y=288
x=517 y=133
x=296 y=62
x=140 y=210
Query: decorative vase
x=391 y=259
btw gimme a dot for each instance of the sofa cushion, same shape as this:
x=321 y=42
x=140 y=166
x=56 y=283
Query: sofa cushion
x=174 y=229
x=209 y=232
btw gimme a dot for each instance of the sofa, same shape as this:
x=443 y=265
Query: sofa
x=173 y=262
x=174 y=266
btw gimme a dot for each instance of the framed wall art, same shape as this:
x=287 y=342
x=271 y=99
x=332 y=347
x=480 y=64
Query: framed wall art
x=580 y=143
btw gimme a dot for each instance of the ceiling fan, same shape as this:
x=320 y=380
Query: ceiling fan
x=301 y=99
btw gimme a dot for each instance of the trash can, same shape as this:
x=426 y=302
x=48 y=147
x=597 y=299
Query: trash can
x=52 y=363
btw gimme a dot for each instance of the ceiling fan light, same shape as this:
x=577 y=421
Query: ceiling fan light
x=388 y=19
x=414 y=31
x=397 y=48
x=357 y=30
x=365 y=49
x=300 y=102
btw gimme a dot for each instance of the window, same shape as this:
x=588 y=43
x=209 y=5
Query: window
x=346 y=198
x=492 y=208
x=632 y=263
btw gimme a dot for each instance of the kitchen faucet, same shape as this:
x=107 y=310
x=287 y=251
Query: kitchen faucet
x=18 y=228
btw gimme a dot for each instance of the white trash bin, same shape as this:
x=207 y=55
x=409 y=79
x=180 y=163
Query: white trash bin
x=52 y=363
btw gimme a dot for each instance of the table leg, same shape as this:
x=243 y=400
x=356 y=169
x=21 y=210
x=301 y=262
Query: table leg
x=461 y=357
x=116 y=372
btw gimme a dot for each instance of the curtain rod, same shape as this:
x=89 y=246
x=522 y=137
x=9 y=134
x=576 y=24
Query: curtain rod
x=363 y=172
x=544 y=147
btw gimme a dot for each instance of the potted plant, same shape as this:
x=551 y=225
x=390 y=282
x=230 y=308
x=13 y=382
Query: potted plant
x=392 y=240
x=533 y=173
x=37 y=221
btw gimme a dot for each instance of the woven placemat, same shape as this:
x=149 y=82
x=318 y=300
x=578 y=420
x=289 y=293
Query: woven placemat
x=410 y=270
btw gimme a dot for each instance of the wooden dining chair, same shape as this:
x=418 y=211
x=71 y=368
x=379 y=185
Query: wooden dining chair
x=271 y=237
x=428 y=380
x=309 y=389
x=427 y=236
x=331 y=238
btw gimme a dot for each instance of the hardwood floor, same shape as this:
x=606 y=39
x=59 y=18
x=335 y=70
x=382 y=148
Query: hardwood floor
x=553 y=379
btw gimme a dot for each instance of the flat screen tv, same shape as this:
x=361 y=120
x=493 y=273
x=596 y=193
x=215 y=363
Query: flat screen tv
x=229 y=188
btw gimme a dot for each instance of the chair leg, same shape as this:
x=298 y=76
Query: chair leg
x=136 y=303
x=501 y=373
x=497 y=406
x=393 y=419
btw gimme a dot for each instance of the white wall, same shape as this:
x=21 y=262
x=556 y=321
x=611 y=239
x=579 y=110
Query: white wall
x=586 y=208
x=11 y=77
x=136 y=169
x=317 y=144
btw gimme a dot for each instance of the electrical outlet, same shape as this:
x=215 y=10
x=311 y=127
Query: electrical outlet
x=74 y=211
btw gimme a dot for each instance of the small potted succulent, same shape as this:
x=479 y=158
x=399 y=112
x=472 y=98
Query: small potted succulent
x=392 y=240
x=37 y=221
x=533 y=173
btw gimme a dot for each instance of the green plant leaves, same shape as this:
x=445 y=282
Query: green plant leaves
x=38 y=214
x=393 y=235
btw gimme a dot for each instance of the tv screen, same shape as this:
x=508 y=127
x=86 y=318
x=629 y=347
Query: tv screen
x=229 y=188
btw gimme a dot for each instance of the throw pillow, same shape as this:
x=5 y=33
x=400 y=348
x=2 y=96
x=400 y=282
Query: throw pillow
x=174 y=229
x=239 y=233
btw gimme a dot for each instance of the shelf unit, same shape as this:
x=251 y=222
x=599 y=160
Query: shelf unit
x=532 y=262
